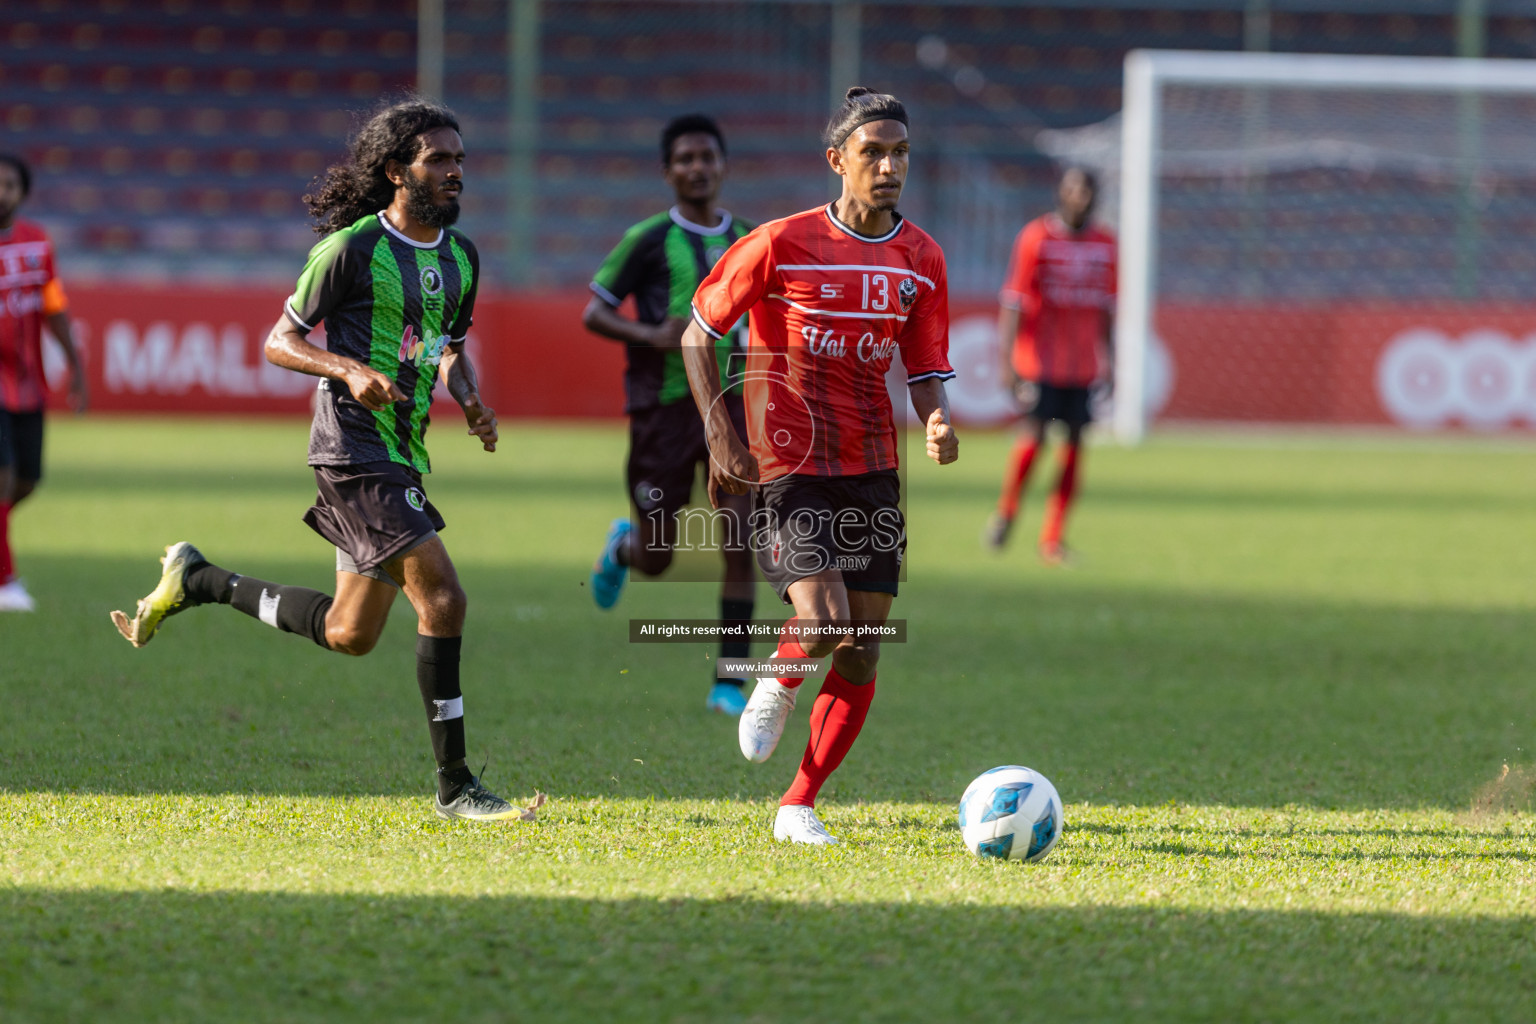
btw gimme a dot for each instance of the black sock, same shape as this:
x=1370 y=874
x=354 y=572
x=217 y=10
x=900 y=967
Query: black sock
x=206 y=583
x=291 y=609
x=736 y=615
x=437 y=673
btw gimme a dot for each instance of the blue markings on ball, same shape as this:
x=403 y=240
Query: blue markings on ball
x=963 y=801
x=1044 y=830
x=998 y=848
x=1006 y=799
x=1005 y=768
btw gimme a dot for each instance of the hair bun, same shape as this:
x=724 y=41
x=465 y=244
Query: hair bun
x=855 y=92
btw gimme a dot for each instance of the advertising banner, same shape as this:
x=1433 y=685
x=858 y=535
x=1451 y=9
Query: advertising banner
x=1419 y=367
x=171 y=350
x=166 y=350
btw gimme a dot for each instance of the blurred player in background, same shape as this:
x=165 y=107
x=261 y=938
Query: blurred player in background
x=1055 y=337
x=833 y=293
x=661 y=261
x=30 y=297
x=396 y=290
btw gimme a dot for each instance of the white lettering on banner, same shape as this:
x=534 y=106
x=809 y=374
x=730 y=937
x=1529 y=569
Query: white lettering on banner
x=55 y=366
x=169 y=360
x=1485 y=380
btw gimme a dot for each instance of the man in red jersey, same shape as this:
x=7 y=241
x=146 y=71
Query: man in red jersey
x=30 y=296
x=1057 y=318
x=833 y=294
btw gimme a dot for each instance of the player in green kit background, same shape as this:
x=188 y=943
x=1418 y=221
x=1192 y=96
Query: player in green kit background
x=660 y=262
x=395 y=287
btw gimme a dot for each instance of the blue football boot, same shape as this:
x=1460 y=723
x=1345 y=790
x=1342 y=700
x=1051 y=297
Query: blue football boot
x=726 y=698
x=608 y=576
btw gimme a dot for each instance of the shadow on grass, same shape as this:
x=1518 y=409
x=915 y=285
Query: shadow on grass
x=1483 y=852
x=241 y=956
x=1395 y=500
x=1120 y=696
x=238 y=481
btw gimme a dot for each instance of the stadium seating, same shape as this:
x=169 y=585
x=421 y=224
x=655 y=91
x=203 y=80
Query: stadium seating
x=175 y=138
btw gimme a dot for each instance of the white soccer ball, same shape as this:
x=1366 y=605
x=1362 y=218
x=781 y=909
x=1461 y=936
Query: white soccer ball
x=1011 y=813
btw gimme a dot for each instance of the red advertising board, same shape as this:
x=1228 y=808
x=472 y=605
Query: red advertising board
x=200 y=351
x=1416 y=366
x=158 y=349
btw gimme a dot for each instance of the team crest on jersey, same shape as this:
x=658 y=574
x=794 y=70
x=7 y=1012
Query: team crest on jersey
x=906 y=294
x=431 y=280
x=415 y=499
x=712 y=253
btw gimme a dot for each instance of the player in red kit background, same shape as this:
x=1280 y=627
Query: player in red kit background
x=1055 y=332
x=30 y=297
x=833 y=294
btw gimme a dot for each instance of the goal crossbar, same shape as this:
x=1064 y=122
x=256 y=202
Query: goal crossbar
x=1148 y=71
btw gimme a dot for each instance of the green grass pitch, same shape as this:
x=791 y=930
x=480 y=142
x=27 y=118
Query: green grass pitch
x=1277 y=695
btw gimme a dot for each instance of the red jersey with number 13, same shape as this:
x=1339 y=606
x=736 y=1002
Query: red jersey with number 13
x=830 y=308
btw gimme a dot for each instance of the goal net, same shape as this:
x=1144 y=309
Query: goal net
x=1323 y=240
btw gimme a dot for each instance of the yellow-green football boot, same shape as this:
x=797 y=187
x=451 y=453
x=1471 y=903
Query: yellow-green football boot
x=168 y=597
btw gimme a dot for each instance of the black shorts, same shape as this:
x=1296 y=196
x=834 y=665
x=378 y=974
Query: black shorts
x=21 y=443
x=1046 y=402
x=372 y=511
x=804 y=525
x=666 y=446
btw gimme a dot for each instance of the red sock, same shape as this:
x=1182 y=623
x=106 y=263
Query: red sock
x=789 y=647
x=1066 y=489
x=1019 y=463
x=836 y=718
x=7 y=567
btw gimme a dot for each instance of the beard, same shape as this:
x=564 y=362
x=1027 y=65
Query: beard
x=423 y=207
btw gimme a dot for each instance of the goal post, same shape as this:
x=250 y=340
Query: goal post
x=1337 y=187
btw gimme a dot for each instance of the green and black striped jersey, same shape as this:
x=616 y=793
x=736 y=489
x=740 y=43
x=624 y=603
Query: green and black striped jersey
x=661 y=261
x=394 y=305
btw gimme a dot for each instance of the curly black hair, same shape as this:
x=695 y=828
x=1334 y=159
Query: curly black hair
x=358 y=187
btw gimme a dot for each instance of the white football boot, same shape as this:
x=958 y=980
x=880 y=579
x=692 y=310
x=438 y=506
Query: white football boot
x=797 y=824
x=762 y=720
x=14 y=598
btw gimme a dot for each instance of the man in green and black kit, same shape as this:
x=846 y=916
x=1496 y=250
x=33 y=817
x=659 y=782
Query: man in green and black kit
x=395 y=287
x=660 y=262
